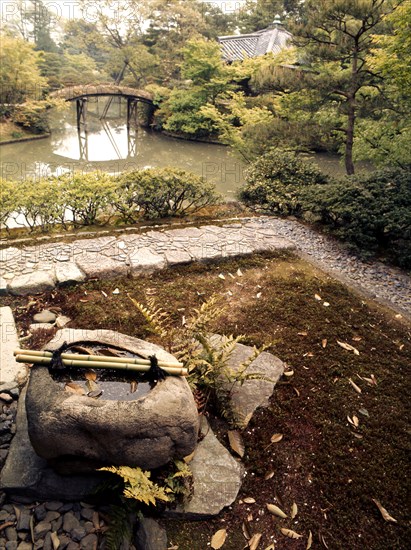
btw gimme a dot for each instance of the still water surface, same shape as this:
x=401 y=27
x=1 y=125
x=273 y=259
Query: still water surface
x=111 y=148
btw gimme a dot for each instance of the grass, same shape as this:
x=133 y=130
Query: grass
x=329 y=468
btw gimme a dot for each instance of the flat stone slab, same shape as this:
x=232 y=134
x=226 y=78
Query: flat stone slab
x=68 y=273
x=27 y=475
x=10 y=370
x=247 y=397
x=32 y=283
x=145 y=260
x=217 y=478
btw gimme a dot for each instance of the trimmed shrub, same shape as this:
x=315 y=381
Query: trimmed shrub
x=9 y=202
x=33 y=116
x=161 y=193
x=89 y=196
x=276 y=179
x=372 y=211
x=41 y=203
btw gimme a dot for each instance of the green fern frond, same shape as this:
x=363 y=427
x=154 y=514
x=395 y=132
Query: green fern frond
x=138 y=485
x=156 y=317
x=120 y=528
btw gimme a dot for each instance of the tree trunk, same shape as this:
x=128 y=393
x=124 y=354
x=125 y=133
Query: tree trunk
x=349 y=165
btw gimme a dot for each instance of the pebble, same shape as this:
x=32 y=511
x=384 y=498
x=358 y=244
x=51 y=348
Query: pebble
x=44 y=316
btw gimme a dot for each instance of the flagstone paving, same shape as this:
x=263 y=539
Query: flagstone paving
x=33 y=269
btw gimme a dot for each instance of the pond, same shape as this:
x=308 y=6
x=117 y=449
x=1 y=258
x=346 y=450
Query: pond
x=111 y=148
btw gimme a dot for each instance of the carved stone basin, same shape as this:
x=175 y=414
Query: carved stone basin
x=76 y=433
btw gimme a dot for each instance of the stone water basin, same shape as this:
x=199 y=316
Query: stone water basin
x=77 y=433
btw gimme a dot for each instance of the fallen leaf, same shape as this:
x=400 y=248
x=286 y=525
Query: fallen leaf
x=95 y=393
x=364 y=412
x=357 y=338
x=324 y=343
x=92 y=386
x=276 y=511
x=187 y=459
x=348 y=347
x=290 y=533
x=221 y=276
x=296 y=391
x=294 y=510
x=383 y=511
x=326 y=304
x=236 y=442
x=74 y=388
x=304 y=333
x=96 y=521
x=254 y=541
x=239 y=272
x=355 y=420
x=371 y=381
x=116 y=291
x=90 y=375
x=259 y=294
x=269 y=475
x=271 y=547
x=276 y=438
x=218 y=539
x=317 y=297
x=81 y=350
x=354 y=385
x=133 y=386
x=108 y=352
x=55 y=540
x=246 y=530
x=289 y=373
x=309 y=541
x=231 y=275
x=323 y=541
x=249 y=500
x=104 y=294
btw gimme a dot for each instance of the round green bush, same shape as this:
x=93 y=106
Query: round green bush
x=276 y=179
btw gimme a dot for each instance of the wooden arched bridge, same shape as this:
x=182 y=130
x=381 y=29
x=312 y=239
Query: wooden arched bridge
x=81 y=93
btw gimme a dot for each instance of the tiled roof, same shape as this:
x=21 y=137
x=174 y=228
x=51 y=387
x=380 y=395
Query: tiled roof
x=270 y=40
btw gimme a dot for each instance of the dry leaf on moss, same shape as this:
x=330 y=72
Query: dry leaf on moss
x=290 y=533
x=348 y=347
x=249 y=500
x=218 y=539
x=324 y=343
x=246 y=530
x=276 y=438
x=236 y=442
x=254 y=541
x=354 y=385
x=276 y=511
x=383 y=511
x=90 y=375
x=294 y=510
x=309 y=541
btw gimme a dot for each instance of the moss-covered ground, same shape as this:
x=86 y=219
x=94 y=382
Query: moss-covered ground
x=330 y=468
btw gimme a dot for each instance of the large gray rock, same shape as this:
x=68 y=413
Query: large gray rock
x=84 y=433
x=150 y=536
x=245 y=398
x=32 y=283
x=217 y=478
x=27 y=475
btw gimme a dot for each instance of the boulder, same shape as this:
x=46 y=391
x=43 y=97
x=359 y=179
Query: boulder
x=79 y=433
x=217 y=478
x=150 y=535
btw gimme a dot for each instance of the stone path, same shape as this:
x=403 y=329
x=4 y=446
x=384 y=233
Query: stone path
x=33 y=269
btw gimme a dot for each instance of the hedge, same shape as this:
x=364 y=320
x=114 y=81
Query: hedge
x=96 y=197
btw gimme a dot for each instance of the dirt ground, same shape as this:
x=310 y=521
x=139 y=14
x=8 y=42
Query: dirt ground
x=343 y=414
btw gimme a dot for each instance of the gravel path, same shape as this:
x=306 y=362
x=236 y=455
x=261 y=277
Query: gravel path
x=32 y=269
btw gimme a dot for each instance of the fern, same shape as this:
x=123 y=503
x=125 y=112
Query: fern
x=120 y=527
x=138 y=485
x=157 y=319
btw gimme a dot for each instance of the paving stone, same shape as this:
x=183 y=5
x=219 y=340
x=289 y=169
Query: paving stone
x=176 y=257
x=3 y=286
x=69 y=273
x=144 y=260
x=40 y=326
x=34 y=283
x=10 y=370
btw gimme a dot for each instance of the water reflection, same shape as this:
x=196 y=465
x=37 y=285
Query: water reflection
x=109 y=147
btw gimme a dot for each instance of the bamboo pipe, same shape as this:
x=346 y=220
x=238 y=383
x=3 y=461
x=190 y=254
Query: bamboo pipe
x=104 y=358
x=36 y=359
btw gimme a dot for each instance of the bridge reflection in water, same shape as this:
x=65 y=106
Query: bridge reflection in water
x=83 y=95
